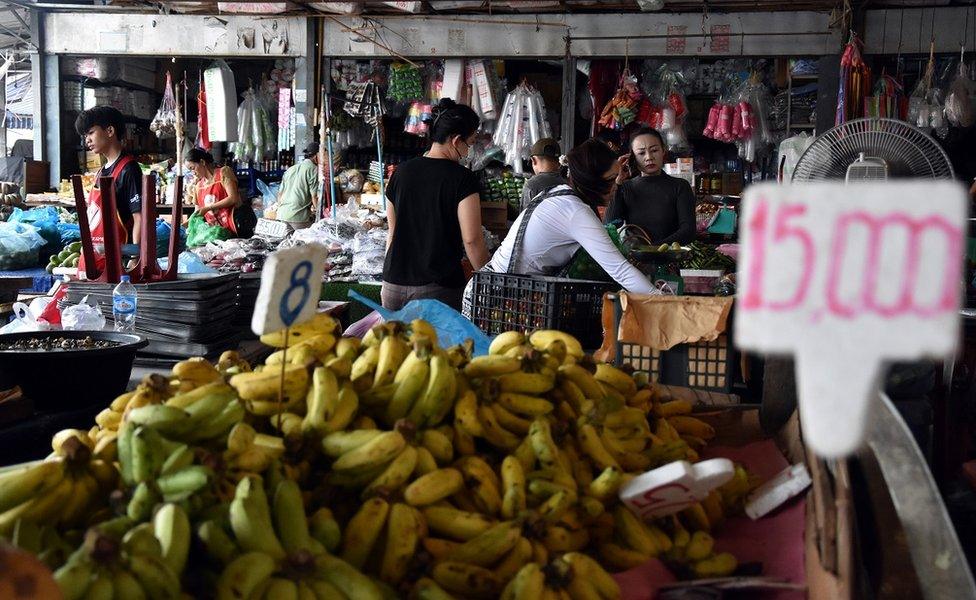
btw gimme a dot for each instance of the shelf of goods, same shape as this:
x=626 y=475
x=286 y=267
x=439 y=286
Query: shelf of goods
x=393 y=467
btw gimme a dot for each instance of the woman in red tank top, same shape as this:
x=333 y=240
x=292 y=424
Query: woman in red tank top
x=216 y=194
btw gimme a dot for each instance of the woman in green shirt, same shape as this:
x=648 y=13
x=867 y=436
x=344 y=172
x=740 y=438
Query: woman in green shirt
x=298 y=199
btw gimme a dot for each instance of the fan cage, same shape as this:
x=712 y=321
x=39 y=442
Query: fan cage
x=909 y=152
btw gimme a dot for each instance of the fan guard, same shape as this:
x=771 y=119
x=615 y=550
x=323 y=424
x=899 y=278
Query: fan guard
x=908 y=151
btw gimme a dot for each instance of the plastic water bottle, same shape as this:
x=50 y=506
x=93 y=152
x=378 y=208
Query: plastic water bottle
x=124 y=306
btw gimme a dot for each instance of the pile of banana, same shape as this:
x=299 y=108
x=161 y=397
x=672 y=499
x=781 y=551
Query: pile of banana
x=122 y=559
x=64 y=490
x=377 y=468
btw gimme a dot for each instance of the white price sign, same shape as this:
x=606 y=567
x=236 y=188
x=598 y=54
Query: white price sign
x=847 y=278
x=291 y=284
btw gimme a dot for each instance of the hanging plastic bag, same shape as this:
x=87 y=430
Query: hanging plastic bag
x=958 y=105
x=164 y=123
x=523 y=122
x=670 y=107
x=199 y=233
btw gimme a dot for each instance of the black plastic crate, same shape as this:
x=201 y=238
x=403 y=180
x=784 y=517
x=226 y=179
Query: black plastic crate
x=503 y=302
x=702 y=365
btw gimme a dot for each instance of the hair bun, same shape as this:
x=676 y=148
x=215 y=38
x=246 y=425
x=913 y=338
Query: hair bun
x=445 y=104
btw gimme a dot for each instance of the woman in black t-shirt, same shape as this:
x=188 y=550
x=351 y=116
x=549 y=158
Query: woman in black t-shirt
x=434 y=215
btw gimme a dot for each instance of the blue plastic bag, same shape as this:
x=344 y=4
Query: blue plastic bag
x=186 y=262
x=452 y=328
x=45 y=219
x=163 y=230
x=70 y=232
x=34 y=215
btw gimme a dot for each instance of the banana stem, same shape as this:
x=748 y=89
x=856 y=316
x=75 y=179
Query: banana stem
x=281 y=382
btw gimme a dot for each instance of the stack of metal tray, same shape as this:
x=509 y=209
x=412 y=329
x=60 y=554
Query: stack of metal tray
x=196 y=315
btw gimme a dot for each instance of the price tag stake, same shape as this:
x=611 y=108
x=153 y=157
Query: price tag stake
x=848 y=278
x=289 y=295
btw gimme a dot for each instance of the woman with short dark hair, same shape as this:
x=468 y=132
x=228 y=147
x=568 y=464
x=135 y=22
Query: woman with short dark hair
x=661 y=205
x=434 y=215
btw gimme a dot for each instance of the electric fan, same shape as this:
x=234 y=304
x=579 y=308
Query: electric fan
x=873 y=150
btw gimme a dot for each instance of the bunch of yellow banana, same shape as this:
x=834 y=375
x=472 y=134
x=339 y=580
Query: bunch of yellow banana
x=120 y=559
x=573 y=575
x=249 y=451
x=384 y=538
x=231 y=363
x=187 y=375
x=509 y=389
x=371 y=459
x=66 y=489
x=153 y=389
x=321 y=324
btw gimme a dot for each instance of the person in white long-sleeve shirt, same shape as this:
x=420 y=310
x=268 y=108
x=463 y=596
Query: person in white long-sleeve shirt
x=565 y=219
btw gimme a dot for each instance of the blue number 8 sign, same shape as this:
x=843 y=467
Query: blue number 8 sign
x=288 y=310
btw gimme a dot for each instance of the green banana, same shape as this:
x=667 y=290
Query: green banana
x=144 y=498
x=280 y=588
x=325 y=529
x=124 y=450
x=217 y=543
x=101 y=587
x=155 y=576
x=184 y=482
x=142 y=539
x=232 y=414
x=127 y=586
x=289 y=517
x=178 y=459
x=75 y=576
x=166 y=419
x=250 y=518
x=244 y=575
x=349 y=580
x=172 y=529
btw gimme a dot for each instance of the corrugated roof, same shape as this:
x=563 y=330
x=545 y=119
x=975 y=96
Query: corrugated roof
x=14 y=27
x=481 y=7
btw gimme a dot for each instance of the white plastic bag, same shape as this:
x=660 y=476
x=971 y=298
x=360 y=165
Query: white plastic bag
x=24 y=320
x=82 y=317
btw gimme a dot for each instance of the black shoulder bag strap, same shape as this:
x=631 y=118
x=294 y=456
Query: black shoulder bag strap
x=526 y=215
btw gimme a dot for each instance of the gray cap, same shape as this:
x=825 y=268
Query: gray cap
x=547 y=147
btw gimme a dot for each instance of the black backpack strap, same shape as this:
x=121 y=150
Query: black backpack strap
x=526 y=215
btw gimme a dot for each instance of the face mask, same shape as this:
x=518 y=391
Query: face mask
x=464 y=159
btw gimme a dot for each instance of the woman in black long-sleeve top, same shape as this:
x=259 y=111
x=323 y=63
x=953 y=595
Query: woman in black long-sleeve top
x=661 y=205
